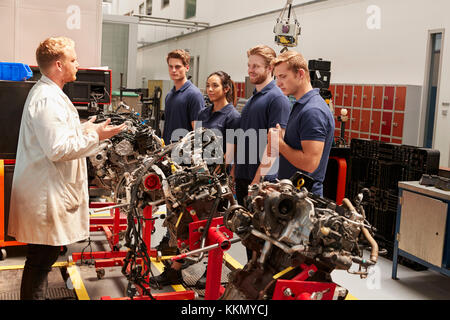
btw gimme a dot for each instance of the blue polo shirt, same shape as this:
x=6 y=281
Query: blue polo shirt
x=310 y=119
x=264 y=110
x=226 y=118
x=181 y=108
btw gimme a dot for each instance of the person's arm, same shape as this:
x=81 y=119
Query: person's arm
x=59 y=142
x=267 y=161
x=312 y=133
x=307 y=159
x=233 y=123
x=195 y=105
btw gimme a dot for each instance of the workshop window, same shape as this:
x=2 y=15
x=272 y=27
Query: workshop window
x=190 y=8
x=149 y=7
x=164 y=3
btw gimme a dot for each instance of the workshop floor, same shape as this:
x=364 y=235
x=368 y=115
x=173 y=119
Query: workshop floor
x=413 y=285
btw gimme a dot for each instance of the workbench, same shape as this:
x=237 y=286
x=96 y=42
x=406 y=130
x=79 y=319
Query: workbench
x=422 y=231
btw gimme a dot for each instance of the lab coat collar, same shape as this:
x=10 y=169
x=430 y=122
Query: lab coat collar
x=50 y=82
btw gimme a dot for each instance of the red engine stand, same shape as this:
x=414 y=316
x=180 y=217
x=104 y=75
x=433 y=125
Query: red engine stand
x=111 y=226
x=147 y=229
x=218 y=235
x=299 y=289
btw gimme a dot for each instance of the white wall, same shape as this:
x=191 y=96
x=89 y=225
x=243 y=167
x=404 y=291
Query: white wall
x=213 y=12
x=25 y=23
x=336 y=30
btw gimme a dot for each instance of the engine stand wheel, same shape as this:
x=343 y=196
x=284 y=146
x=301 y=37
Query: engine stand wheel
x=100 y=273
x=3 y=254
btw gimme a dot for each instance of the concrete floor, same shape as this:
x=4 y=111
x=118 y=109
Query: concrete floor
x=413 y=285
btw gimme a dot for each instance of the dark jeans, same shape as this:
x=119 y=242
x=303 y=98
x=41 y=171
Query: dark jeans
x=241 y=192
x=40 y=259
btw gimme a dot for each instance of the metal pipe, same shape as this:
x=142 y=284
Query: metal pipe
x=366 y=233
x=202 y=250
x=109 y=208
x=373 y=243
x=280 y=245
x=170 y=20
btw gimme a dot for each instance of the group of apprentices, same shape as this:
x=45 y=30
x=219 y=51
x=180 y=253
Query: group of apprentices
x=299 y=137
x=49 y=205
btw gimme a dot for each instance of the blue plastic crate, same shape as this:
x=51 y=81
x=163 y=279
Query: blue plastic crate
x=14 y=71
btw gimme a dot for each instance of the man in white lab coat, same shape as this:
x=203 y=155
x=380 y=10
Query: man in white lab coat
x=49 y=197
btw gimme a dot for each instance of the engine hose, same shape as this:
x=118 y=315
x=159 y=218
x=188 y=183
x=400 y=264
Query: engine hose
x=373 y=243
x=366 y=233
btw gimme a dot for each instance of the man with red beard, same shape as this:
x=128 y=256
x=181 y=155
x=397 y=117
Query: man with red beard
x=264 y=110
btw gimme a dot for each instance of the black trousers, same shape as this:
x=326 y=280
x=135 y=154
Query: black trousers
x=241 y=192
x=38 y=265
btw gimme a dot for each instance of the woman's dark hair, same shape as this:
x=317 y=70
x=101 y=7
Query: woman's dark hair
x=224 y=77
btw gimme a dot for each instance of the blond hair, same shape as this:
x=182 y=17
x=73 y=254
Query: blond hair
x=294 y=60
x=183 y=55
x=266 y=52
x=52 y=49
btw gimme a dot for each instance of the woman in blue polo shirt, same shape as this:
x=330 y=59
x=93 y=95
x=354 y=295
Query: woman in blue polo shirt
x=222 y=115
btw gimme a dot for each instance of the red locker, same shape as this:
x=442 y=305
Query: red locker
x=348 y=95
x=376 y=122
x=365 y=121
x=363 y=136
x=355 y=120
x=377 y=97
x=354 y=135
x=367 y=97
x=339 y=95
x=388 y=98
x=385 y=139
x=357 y=96
x=400 y=98
x=397 y=125
x=386 y=124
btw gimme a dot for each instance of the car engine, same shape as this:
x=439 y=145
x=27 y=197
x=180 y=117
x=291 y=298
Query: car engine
x=123 y=152
x=285 y=228
x=181 y=177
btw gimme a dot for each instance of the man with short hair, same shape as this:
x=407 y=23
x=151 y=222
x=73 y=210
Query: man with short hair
x=182 y=106
x=264 y=110
x=184 y=102
x=306 y=142
x=49 y=197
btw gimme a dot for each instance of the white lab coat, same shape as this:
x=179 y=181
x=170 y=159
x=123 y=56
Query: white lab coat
x=49 y=196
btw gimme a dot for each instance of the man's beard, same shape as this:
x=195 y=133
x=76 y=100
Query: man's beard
x=259 y=79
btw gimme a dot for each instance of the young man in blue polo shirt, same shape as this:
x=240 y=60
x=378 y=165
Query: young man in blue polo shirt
x=306 y=142
x=182 y=106
x=264 y=110
x=184 y=102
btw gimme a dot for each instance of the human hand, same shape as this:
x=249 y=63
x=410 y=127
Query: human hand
x=90 y=125
x=274 y=138
x=105 y=131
